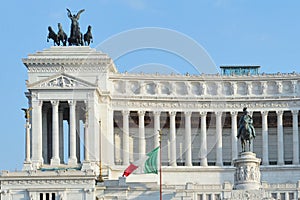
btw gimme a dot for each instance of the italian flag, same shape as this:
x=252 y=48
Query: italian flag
x=148 y=164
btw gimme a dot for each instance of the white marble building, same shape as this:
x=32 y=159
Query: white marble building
x=86 y=114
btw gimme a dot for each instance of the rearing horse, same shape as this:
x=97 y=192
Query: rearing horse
x=246 y=130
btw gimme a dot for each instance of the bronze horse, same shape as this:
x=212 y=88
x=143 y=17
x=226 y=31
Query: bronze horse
x=246 y=136
x=246 y=132
x=61 y=35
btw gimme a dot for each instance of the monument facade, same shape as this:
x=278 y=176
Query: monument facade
x=88 y=120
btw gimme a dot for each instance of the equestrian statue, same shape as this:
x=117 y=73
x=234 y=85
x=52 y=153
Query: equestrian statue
x=246 y=131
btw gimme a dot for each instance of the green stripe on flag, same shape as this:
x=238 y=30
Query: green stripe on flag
x=151 y=162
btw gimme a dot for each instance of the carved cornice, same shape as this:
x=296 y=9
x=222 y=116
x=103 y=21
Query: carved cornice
x=73 y=68
x=207 y=106
x=46 y=182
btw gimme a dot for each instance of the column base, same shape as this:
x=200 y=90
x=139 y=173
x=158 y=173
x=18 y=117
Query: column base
x=55 y=161
x=173 y=164
x=203 y=162
x=27 y=166
x=86 y=165
x=36 y=164
x=72 y=161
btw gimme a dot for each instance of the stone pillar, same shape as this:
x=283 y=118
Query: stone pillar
x=37 y=141
x=173 y=160
x=72 y=128
x=27 y=162
x=247 y=173
x=219 y=147
x=156 y=128
x=295 y=138
x=265 y=143
x=280 y=146
x=78 y=138
x=142 y=141
x=187 y=138
x=27 y=144
x=125 y=151
x=234 y=134
x=86 y=142
x=203 y=140
x=55 y=134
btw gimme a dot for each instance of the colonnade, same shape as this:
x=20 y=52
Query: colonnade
x=47 y=139
x=203 y=149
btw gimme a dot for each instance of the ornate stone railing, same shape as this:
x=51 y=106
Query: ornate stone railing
x=212 y=86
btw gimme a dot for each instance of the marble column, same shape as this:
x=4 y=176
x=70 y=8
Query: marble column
x=187 y=138
x=27 y=140
x=72 y=128
x=86 y=142
x=280 y=146
x=78 y=138
x=142 y=141
x=55 y=160
x=219 y=148
x=234 y=134
x=37 y=141
x=203 y=140
x=156 y=128
x=173 y=160
x=265 y=142
x=125 y=152
x=295 y=138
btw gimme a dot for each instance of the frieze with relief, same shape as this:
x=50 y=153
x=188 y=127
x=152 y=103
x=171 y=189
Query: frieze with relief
x=61 y=81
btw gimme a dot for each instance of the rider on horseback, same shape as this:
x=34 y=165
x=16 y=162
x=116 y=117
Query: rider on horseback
x=246 y=122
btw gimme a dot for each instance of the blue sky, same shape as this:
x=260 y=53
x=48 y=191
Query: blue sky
x=264 y=33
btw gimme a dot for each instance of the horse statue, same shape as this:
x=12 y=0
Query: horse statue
x=52 y=35
x=246 y=131
x=61 y=35
x=88 y=37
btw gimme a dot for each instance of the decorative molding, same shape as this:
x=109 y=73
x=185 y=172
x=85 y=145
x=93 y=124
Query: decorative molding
x=61 y=81
x=46 y=181
x=214 y=88
x=226 y=107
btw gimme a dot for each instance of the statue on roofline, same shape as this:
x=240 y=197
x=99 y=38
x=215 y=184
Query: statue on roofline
x=76 y=37
x=75 y=34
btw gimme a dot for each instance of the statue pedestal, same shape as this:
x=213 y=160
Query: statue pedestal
x=247 y=173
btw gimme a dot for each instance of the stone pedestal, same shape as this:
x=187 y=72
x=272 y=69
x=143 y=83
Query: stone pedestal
x=247 y=173
x=27 y=166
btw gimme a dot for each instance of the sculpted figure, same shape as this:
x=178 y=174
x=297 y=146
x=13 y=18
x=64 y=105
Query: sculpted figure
x=246 y=131
x=88 y=37
x=76 y=35
x=52 y=35
x=61 y=35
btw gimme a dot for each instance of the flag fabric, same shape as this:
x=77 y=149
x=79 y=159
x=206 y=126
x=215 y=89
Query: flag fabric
x=148 y=164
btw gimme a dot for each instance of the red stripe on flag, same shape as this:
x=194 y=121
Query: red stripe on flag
x=129 y=170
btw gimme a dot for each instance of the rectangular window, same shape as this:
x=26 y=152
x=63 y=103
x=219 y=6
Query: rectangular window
x=41 y=196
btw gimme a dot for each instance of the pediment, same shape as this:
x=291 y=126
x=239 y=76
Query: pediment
x=61 y=81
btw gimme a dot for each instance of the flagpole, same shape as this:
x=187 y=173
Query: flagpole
x=160 y=155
